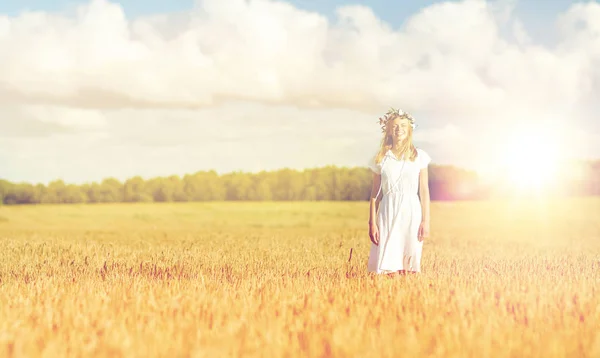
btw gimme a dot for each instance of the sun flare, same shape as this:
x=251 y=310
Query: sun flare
x=531 y=160
x=528 y=161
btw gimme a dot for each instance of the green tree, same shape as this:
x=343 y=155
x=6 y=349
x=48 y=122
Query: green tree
x=111 y=191
x=326 y=183
x=4 y=188
x=134 y=190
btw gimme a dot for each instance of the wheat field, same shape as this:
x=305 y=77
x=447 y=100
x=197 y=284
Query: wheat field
x=510 y=278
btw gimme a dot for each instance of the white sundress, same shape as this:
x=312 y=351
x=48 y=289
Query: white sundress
x=399 y=215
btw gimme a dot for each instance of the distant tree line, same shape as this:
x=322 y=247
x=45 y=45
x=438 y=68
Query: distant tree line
x=326 y=183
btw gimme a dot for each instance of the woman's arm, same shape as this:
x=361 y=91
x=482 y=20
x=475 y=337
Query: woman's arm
x=373 y=206
x=373 y=198
x=425 y=203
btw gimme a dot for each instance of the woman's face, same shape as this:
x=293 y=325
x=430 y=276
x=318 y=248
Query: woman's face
x=399 y=128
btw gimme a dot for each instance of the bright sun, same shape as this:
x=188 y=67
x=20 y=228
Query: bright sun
x=531 y=160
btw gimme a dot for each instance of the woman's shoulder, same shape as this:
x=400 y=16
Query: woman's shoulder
x=422 y=157
x=421 y=151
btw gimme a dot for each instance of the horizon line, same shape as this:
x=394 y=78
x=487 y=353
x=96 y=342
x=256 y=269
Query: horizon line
x=476 y=172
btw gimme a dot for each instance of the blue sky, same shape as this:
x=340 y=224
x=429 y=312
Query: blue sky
x=386 y=9
x=87 y=99
x=537 y=18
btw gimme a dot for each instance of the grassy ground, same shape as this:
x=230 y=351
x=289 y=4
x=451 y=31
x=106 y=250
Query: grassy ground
x=500 y=279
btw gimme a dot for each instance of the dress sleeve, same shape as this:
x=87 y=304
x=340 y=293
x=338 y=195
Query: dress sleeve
x=375 y=168
x=424 y=159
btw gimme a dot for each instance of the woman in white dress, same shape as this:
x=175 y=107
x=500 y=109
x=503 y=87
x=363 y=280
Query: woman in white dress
x=399 y=223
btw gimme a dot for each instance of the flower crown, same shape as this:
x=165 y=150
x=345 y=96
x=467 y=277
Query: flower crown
x=393 y=113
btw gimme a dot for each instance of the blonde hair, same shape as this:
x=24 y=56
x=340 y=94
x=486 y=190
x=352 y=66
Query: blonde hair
x=407 y=148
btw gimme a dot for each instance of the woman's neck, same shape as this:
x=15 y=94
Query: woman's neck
x=397 y=145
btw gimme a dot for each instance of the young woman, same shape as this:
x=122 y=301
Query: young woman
x=400 y=221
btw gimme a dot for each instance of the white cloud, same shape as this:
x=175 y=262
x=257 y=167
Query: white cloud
x=520 y=34
x=228 y=78
x=240 y=136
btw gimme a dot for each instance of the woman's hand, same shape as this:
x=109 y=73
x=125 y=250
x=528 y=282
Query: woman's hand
x=423 y=230
x=374 y=233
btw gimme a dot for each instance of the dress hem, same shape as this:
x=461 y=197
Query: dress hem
x=384 y=272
